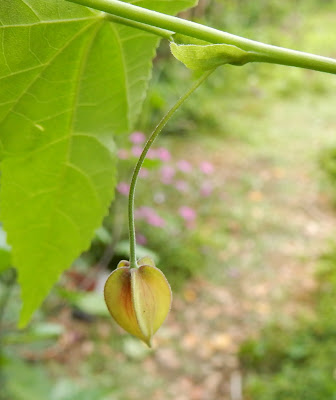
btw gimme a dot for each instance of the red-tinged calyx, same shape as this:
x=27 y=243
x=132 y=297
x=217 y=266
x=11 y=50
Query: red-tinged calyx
x=139 y=299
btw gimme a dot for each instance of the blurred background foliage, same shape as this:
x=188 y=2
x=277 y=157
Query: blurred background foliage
x=296 y=361
x=202 y=224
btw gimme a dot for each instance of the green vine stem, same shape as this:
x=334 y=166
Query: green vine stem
x=262 y=52
x=138 y=25
x=150 y=141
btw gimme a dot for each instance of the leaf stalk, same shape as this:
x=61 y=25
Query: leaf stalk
x=262 y=52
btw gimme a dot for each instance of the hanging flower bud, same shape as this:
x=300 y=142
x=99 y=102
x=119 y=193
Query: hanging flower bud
x=139 y=299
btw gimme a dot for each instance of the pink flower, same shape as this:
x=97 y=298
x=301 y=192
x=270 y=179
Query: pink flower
x=137 y=137
x=163 y=154
x=187 y=213
x=123 y=154
x=182 y=186
x=206 y=189
x=155 y=220
x=143 y=173
x=144 y=212
x=184 y=166
x=167 y=174
x=189 y=216
x=123 y=188
x=141 y=239
x=206 y=167
x=136 y=151
x=152 y=154
x=150 y=216
x=148 y=211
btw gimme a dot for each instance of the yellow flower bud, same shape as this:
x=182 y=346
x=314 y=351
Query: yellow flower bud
x=138 y=299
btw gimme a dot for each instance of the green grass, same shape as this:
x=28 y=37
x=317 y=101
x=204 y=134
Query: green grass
x=297 y=361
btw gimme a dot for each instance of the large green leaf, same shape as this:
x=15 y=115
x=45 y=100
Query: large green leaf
x=69 y=81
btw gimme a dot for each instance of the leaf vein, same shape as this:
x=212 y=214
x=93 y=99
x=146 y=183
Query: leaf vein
x=32 y=10
x=122 y=56
x=68 y=217
x=20 y=72
x=49 y=22
x=47 y=64
x=86 y=177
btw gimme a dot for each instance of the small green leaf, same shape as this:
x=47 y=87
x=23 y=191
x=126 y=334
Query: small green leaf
x=207 y=57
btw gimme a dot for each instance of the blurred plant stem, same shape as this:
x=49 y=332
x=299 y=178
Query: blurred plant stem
x=163 y=25
x=8 y=279
x=117 y=230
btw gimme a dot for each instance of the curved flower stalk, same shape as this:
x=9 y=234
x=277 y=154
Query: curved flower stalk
x=137 y=293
